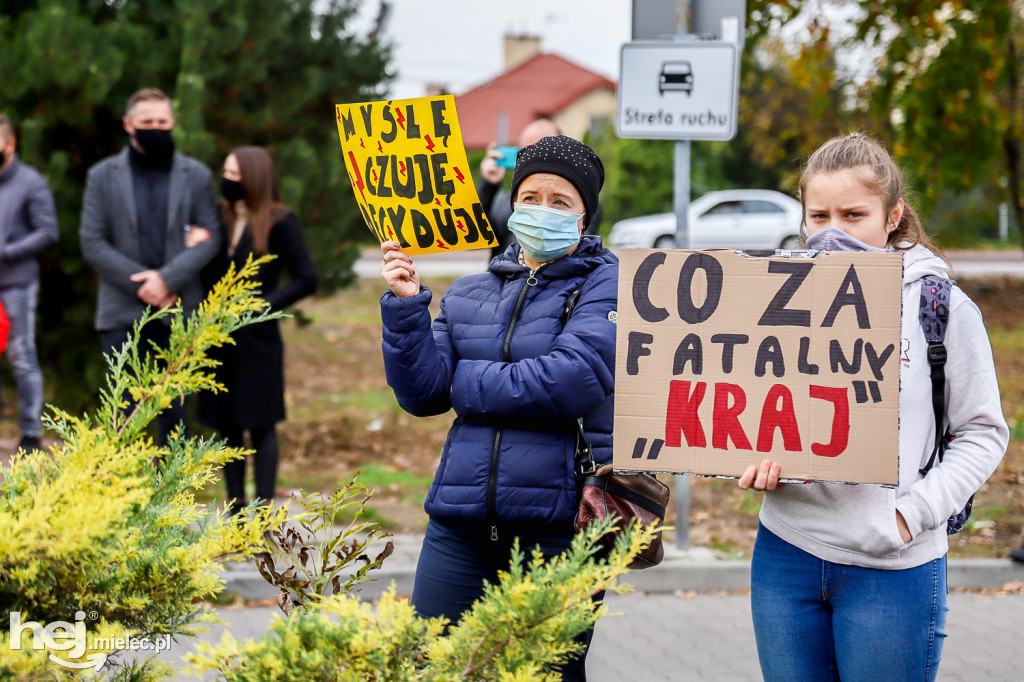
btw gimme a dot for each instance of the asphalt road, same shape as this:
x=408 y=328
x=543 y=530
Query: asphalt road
x=965 y=263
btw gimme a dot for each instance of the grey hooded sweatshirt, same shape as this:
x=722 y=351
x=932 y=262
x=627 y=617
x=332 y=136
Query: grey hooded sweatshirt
x=856 y=524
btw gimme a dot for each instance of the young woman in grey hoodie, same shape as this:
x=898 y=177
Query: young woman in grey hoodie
x=849 y=581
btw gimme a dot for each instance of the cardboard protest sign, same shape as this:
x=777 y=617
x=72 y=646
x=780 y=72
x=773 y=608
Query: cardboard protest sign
x=410 y=174
x=725 y=359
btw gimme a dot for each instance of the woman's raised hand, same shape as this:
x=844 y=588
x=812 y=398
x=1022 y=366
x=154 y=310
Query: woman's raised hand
x=764 y=477
x=399 y=271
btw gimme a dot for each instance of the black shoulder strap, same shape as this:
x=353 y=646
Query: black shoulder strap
x=934 y=316
x=584 y=457
x=570 y=303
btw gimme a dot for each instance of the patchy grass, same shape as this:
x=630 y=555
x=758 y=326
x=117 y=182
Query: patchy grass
x=343 y=418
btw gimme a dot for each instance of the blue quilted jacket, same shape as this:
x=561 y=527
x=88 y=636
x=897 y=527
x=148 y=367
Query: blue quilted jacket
x=517 y=374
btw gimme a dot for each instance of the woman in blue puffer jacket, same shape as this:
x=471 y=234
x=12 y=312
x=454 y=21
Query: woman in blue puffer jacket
x=517 y=370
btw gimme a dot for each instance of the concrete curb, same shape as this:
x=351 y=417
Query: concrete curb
x=675 y=574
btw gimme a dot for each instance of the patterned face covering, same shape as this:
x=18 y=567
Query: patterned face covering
x=544 y=233
x=834 y=239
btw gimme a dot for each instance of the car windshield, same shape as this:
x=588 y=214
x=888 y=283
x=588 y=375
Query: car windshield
x=754 y=206
x=725 y=207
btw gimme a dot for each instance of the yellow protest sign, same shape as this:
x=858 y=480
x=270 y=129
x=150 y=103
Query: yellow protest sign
x=410 y=174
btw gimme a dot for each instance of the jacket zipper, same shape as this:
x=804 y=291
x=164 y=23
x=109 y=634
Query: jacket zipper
x=506 y=356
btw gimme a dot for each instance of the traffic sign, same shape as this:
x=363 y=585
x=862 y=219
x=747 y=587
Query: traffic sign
x=678 y=90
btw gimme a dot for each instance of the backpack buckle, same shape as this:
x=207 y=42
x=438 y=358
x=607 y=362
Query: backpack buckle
x=936 y=354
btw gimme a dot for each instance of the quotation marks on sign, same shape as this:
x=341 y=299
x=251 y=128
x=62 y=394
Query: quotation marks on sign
x=862 y=388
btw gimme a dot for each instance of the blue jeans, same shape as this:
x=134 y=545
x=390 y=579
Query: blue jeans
x=816 y=620
x=20 y=306
x=457 y=559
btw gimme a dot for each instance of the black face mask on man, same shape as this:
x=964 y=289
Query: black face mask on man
x=3 y=158
x=157 y=146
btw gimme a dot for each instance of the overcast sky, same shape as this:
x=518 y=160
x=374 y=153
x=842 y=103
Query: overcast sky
x=459 y=42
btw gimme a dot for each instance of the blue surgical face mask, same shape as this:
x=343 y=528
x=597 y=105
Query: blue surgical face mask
x=834 y=239
x=544 y=233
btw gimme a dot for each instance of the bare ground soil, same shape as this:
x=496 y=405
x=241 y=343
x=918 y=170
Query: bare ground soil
x=343 y=418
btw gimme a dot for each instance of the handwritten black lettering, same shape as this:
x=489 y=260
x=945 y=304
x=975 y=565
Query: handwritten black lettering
x=777 y=314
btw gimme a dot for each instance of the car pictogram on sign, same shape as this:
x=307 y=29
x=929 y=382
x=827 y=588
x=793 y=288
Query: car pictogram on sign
x=675 y=76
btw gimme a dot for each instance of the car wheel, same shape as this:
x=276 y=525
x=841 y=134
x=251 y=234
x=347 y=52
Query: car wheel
x=665 y=241
x=790 y=243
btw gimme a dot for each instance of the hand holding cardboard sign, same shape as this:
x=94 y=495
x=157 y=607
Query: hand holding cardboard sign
x=764 y=477
x=399 y=271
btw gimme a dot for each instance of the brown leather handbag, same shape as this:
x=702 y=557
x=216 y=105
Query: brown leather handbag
x=628 y=495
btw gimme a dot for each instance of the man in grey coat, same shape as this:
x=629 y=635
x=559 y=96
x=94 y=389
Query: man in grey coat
x=28 y=224
x=139 y=205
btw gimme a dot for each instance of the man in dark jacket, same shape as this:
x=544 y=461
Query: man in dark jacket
x=138 y=206
x=28 y=224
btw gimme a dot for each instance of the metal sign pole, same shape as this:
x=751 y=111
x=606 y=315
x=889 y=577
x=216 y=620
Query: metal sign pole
x=681 y=84
x=682 y=205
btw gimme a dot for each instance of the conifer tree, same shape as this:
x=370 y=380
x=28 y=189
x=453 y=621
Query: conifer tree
x=265 y=72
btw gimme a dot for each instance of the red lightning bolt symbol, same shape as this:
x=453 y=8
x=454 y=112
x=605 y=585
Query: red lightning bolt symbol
x=430 y=143
x=441 y=245
x=362 y=143
x=437 y=201
x=379 y=148
x=460 y=176
x=401 y=167
x=459 y=224
x=374 y=174
x=338 y=109
x=401 y=119
x=390 y=233
x=359 y=178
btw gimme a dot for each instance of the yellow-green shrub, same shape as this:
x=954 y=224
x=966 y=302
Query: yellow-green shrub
x=520 y=629
x=106 y=523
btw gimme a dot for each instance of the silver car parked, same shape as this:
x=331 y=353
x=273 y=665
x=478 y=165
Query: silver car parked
x=742 y=219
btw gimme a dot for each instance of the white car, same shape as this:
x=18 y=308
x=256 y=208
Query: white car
x=742 y=219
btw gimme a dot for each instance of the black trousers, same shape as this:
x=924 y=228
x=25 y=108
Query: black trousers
x=265 y=457
x=153 y=333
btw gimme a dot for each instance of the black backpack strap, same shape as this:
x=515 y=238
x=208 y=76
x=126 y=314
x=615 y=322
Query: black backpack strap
x=934 y=316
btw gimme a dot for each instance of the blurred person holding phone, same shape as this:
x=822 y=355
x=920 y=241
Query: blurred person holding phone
x=496 y=201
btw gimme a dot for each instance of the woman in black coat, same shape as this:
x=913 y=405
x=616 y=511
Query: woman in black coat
x=255 y=222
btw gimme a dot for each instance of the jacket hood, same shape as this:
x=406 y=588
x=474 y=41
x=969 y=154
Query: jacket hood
x=919 y=261
x=588 y=256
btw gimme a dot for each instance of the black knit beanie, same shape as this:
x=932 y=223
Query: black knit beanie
x=567 y=158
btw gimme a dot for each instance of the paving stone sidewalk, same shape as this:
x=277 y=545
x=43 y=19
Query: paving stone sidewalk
x=706 y=637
